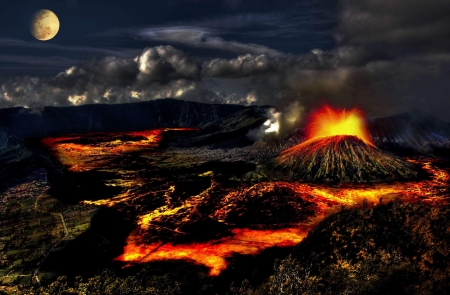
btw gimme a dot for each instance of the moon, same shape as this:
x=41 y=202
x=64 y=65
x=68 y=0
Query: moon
x=44 y=24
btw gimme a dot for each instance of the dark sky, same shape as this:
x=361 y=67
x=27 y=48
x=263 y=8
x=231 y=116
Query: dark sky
x=382 y=56
x=100 y=28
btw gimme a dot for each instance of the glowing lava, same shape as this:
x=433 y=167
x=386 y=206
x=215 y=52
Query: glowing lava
x=213 y=254
x=85 y=152
x=163 y=212
x=330 y=122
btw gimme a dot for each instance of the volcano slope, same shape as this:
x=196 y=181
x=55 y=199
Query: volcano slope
x=390 y=249
x=342 y=158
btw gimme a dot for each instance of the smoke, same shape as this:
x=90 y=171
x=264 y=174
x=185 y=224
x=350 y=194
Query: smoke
x=270 y=128
x=292 y=117
x=279 y=123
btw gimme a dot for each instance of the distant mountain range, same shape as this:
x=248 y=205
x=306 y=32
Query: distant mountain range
x=30 y=123
x=415 y=131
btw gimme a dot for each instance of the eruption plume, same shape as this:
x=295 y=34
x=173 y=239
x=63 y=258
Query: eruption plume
x=330 y=122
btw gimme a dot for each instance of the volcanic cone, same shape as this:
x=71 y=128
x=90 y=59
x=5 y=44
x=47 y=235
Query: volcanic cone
x=342 y=158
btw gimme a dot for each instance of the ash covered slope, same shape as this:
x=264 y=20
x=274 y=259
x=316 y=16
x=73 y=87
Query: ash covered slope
x=25 y=123
x=342 y=158
x=415 y=132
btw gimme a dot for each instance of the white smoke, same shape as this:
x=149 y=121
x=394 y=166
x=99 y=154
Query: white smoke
x=271 y=126
x=279 y=123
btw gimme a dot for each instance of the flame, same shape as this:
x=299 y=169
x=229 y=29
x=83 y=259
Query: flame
x=330 y=122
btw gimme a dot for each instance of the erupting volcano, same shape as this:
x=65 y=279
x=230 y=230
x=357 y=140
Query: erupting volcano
x=339 y=149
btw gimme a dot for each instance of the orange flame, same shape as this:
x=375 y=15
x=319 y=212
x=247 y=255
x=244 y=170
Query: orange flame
x=330 y=122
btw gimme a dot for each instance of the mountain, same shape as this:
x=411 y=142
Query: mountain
x=342 y=158
x=26 y=123
x=413 y=132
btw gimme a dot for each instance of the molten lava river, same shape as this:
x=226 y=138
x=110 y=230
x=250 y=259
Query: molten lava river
x=187 y=209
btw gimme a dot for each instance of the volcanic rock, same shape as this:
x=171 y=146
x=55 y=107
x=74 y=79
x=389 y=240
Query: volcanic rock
x=342 y=158
x=266 y=204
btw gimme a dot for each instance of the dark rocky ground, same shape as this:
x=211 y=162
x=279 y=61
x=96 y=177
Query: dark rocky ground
x=390 y=249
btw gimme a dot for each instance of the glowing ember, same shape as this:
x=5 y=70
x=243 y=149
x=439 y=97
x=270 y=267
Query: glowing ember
x=330 y=122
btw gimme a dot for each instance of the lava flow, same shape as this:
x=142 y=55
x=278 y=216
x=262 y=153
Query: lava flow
x=216 y=253
x=89 y=151
x=213 y=254
x=207 y=219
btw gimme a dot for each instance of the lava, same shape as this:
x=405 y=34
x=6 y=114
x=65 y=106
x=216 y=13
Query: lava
x=339 y=149
x=213 y=254
x=330 y=122
x=162 y=216
x=83 y=153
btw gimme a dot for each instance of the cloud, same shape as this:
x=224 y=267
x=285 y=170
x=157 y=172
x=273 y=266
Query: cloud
x=158 y=72
x=395 y=28
x=201 y=38
x=37 y=45
x=249 y=64
x=43 y=61
x=165 y=63
x=399 y=49
x=389 y=58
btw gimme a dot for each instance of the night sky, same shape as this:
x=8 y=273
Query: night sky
x=383 y=56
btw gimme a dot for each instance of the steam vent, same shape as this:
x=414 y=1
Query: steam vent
x=339 y=149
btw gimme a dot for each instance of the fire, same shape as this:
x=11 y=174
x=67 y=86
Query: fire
x=330 y=122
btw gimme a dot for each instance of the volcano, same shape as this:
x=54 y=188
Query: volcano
x=342 y=158
x=339 y=149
